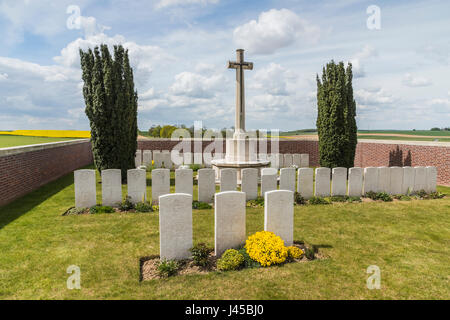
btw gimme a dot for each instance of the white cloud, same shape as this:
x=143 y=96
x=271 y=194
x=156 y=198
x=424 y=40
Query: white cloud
x=373 y=97
x=440 y=106
x=274 y=29
x=171 y=3
x=274 y=79
x=195 y=85
x=3 y=76
x=410 y=81
x=53 y=73
x=359 y=58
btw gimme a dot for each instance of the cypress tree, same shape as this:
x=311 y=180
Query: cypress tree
x=335 y=115
x=351 y=127
x=111 y=107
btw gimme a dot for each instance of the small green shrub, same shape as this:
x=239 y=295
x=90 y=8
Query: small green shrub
x=167 y=268
x=436 y=195
x=101 y=209
x=354 y=199
x=200 y=205
x=421 y=194
x=200 y=253
x=143 y=207
x=230 y=260
x=383 y=196
x=256 y=203
x=339 y=198
x=318 y=200
x=126 y=205
x=310 y=253
x=248 y=262
x=371 y=195
x=298 y=199
x=195 y=167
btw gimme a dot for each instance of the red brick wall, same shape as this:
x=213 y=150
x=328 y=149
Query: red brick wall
x=23 y=172
x=367 y=153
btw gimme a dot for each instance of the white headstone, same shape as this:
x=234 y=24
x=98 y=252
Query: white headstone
x=137 y=185
x=85 y=191
x=355 y=182
x=420 y=179
x=206 y=185
x=279 y=214
x=158 y=158
x=184 y=181
x=229 y=213
x=305 y=160
x=167 y=159
x=276 y=160
x=384 y=179
x=188 y=158
x=147 y=158
x=198 y=158
x=160 y=183
x=138 y=158
x=370 y=179
x=297 y=159
x=339 y=182
x=175 y=226
x=322 y=183
x=408 y=180
x=396 y=180
x=287 y=160
x=287 y=179
x=305 y=185
x=431 y=179
x=249 y=183
x=268 y=180
x=228 y=179
x=111 y=187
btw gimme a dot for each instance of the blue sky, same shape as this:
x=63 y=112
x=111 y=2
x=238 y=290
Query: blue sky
x=179 y=51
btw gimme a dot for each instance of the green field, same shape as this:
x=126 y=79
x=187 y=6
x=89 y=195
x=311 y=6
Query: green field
x=404 y=138
x=408 y=240
x=7 y=141
x=410 y=132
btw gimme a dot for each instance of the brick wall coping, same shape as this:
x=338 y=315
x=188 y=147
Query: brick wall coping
x=405 y=142
x=34 y=147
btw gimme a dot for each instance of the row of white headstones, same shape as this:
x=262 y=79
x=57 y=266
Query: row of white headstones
x=325 y=182
x=175 y=221
x=169 y=159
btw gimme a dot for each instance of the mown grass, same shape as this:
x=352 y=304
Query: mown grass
x=7 y=141
x=408 y=240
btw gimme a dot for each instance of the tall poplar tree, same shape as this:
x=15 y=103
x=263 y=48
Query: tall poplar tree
x=336 y=124
x=111 y=107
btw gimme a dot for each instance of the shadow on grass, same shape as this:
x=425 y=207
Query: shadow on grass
x=21 y=206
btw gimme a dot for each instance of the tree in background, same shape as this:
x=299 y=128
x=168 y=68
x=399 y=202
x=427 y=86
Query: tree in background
x=111 y=106
x=336 y=124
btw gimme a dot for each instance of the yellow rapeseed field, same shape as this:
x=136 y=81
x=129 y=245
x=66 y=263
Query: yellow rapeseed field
x=49 y=133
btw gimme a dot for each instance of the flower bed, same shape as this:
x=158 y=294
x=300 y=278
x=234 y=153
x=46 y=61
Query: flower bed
x=262 y=249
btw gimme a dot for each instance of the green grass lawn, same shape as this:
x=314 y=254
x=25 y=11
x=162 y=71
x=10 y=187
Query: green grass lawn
x=408 y=240
x=7 y=141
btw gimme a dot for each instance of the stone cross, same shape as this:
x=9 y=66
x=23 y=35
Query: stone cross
x=240 y=66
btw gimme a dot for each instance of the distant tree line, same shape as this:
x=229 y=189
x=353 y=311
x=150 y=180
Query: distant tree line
x=440 y=129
